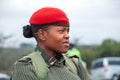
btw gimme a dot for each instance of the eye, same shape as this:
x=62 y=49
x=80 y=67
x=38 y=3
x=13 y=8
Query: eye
x=62 y=30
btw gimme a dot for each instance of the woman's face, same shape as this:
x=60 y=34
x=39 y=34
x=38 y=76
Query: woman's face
x=57 y=39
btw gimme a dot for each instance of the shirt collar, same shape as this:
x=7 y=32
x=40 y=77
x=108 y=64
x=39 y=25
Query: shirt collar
x=52 y=60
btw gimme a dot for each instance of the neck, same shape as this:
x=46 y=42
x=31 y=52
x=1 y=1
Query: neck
x=48 y=51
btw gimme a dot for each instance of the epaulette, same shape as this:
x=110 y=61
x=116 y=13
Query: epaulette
x=25 y=59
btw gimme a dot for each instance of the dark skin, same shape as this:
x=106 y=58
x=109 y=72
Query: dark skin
x=54 y=40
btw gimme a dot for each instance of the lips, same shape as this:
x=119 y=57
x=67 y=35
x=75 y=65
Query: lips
x=66 y=43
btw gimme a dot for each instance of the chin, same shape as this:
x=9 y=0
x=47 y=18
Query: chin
x=63 y=52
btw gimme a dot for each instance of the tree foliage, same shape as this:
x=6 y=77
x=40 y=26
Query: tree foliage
x=108 y=48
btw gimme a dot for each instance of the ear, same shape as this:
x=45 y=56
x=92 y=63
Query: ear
x=41 y=34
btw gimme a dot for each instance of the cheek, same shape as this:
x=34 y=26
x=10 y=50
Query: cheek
x=55 y=38
x=52 y=40
x=55 y=41
x=59 y=46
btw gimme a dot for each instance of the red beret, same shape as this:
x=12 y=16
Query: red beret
x=49 y=15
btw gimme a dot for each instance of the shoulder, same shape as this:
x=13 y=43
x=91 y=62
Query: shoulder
x=23 y=64
x=23 y=69
x=25 y=59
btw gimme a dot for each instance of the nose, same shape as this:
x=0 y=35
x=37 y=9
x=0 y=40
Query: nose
x=67 y=36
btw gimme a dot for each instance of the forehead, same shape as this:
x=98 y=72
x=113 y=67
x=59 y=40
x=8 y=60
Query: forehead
x=58 y=27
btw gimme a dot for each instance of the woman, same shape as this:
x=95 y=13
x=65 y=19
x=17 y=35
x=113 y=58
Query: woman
x=50 y=27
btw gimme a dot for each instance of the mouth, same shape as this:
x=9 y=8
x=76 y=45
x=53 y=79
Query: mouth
x=66 y=43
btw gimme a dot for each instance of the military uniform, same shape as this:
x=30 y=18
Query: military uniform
x=62 y=68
